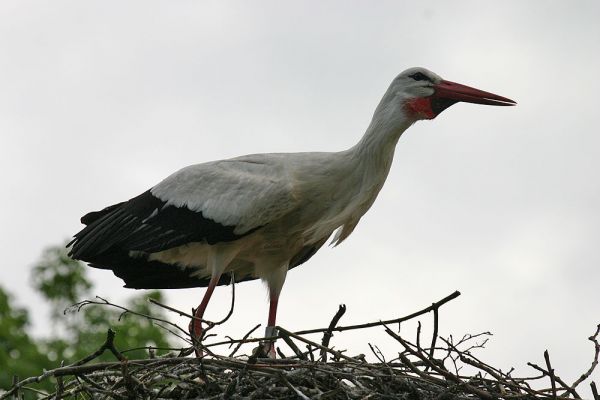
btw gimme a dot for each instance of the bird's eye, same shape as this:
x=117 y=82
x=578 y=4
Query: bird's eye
x=419 y=76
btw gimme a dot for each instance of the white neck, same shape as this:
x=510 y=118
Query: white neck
x=366 y=166
x=375 y=150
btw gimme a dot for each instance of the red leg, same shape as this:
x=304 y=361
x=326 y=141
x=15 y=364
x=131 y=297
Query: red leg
x=196 y=324
x=273 y=310
x=270 y=330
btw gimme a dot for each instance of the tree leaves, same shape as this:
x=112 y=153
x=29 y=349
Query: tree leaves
x=62 y=282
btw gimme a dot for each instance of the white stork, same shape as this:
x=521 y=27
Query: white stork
x=257 y=216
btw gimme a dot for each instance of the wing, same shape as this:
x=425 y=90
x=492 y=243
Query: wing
x=245 y=192
x=212 y=202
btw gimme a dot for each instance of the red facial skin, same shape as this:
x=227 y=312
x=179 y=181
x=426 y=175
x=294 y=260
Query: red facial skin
x=420 y=108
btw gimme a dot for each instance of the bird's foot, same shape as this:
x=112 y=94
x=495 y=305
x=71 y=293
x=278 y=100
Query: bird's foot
x=268 y=346
x=264 y=350
x=269 y=349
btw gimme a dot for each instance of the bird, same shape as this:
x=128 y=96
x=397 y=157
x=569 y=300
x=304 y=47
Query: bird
x=258 y=216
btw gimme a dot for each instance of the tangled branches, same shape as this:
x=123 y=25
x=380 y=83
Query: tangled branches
x=312 y=370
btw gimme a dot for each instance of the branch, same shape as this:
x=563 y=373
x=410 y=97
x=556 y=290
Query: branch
x=243 y=340
x=300 y=338
x=550 y=373
x=584 y=376
x=435 y=333
x=84 y=303
x=594 y=391
x=437 y=304
x=432 y=307
x=443 y=372
x=554 y=379
x=232 y=302
x=107 y=345
x=329 y=332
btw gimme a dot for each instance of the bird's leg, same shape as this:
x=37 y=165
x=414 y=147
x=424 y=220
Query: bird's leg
x=275 y=282
x=196 y=323
x=269 y=346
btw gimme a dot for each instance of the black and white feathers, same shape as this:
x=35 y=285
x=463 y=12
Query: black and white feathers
x=195 y=208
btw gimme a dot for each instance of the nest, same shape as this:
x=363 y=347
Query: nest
x=311 y=370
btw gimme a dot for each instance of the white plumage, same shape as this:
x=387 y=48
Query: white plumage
x=259 y=215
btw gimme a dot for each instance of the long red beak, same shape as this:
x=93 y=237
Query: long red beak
x=455 y=92
x=448 y=93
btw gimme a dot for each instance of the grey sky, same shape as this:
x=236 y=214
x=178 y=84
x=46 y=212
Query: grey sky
x=101 y=100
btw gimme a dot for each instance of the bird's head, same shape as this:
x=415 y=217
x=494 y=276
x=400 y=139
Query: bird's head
x=424 y=95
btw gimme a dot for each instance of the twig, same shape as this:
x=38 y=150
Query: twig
x=309 y=351
x=550 y=373
x=127 y=379
x=419 y=335
x=166 y=307
x=420 y=373
x=440 y=371
x=594 y=390
x=98 y=387
x=352 y=327
x=16 y=392
x=300 y=338
x=329 y=332
x=294 y=389
x=243 y=340
x=152 y=350
x=107 y=345
x=36 y=391
x=286 y=338
x=280 y=353
x=432 y=307
x=496 y=375
x=232 y=302
x=584 y=376
x=435 y=333
x=84 y=303
x=60 y=387
x=377 y=353
x=556 y=378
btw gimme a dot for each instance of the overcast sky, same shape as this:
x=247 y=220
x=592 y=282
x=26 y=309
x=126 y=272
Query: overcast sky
x=100 y=100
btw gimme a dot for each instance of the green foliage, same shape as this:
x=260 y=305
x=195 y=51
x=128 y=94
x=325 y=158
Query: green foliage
x=87 y=330
x=77 y=333
x=63 y=281
x=60 y=279
x=19 y=353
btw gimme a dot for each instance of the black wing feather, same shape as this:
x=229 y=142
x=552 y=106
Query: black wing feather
x=145 y=223
x=94 y=215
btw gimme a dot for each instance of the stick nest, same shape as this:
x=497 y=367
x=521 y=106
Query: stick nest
x=310 y=370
